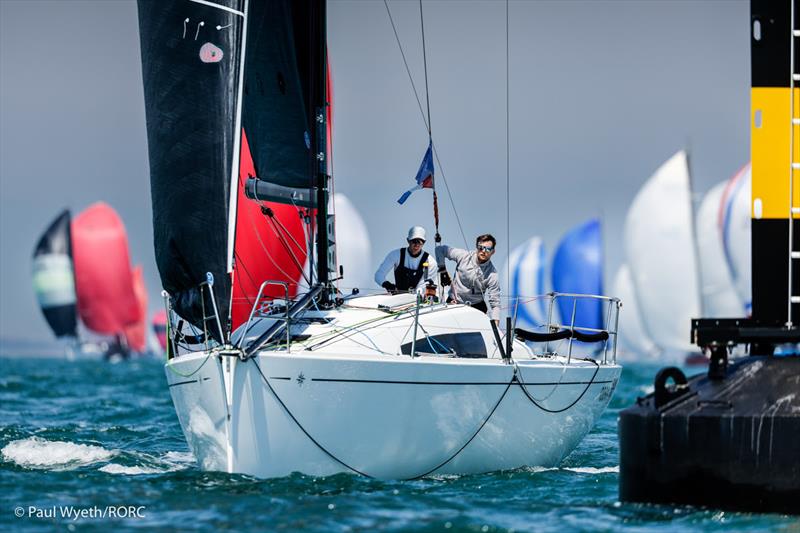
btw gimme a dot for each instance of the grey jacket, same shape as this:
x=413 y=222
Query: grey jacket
x=472 y=281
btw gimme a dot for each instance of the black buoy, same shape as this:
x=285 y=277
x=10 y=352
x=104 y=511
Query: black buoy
x=732 y=443
x=731 y=438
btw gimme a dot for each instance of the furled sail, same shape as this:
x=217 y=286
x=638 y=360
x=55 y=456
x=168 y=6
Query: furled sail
x=107 y=301
x=54 y=279
x=578 y=269
x=719 y=294
x=661 y=253
x=228 y=98
x=526 y=286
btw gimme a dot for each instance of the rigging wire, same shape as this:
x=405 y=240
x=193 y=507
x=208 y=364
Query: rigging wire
x=425 y=122
x=508 y=170
x=425 y=65
x=438 y=238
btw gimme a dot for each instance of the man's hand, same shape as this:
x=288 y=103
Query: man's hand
x=444 y=277
x=389 y=286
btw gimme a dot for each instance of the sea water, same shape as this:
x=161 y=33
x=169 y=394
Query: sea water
x=90 y=445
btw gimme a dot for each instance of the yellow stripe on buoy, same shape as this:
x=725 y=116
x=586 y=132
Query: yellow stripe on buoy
x=770 y=127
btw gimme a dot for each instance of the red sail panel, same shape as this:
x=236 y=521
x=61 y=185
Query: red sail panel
x=106 y=297
x=136 y=332
x=160 y=328
x=266 y=248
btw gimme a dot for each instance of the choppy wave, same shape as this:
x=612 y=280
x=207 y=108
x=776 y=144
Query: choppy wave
x=36 y=452
x=129 y=450
x=169 y=462
x=576 y=469
x=113 y=468
x=593 y=470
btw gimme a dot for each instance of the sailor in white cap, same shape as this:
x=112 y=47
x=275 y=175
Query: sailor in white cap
x=412 y=266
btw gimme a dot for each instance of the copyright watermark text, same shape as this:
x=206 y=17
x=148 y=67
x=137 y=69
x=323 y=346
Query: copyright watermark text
x=74 y=513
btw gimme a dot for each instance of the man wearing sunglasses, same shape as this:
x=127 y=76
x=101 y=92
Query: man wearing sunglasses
x=412 y=266
x=475 y=281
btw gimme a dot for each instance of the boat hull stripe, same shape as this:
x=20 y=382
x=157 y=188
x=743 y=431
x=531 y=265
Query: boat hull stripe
x=495 y=383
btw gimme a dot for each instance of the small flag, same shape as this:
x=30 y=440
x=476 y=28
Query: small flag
x=424 y=176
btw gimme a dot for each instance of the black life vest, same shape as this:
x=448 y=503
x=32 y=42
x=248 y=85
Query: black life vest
x=405 y=278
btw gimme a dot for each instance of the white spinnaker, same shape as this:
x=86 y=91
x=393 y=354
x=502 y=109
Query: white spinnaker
x=720 y=298
x=632 y=339
x=660 y=251
x=526 y=285
x=353 y=249
x=736 y=233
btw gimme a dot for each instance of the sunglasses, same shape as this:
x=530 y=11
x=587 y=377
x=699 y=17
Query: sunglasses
x=416 y=241
x=488 y=249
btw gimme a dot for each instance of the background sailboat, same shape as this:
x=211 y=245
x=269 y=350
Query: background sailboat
x=634 y=340
x=736 y=232
x=661 y=254
x=527 y=284
x=54 y=277
x=578 y=269
x=353 y=248
x=82 y=270
x=720 y=298
x=722 y=236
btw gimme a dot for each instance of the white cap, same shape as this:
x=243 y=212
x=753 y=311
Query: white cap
x=416 y=232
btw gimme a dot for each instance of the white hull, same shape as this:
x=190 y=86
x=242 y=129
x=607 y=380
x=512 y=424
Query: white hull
x=385 y=417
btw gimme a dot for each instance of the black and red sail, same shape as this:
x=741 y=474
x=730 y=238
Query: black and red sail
x=227 y=98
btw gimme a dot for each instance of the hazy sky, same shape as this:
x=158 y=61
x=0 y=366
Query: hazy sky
x=601 y=93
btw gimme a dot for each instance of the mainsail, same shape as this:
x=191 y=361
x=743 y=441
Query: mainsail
x=53 y=277
x=661 y=253
x=230 y=98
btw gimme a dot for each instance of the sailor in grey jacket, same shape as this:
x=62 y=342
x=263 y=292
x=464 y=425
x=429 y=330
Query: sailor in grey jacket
x=475 y=281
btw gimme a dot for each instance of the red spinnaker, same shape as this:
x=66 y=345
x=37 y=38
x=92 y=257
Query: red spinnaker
x=266 y=248
x=106 y=298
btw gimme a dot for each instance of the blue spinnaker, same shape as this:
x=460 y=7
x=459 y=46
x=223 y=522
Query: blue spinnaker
x=578 y=268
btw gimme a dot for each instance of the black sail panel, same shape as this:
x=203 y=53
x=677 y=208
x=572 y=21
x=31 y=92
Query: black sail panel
x=191 y=56
x=278 y=110
x=54 y=278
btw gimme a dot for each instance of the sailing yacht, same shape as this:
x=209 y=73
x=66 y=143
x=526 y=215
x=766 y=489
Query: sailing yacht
x=311 y=379
x=675 y=270
x=88 y=291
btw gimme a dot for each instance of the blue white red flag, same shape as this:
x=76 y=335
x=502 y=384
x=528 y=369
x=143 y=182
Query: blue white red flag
x=424 y=176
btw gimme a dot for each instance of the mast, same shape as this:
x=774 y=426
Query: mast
x=693 y=221
x=326 y=255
